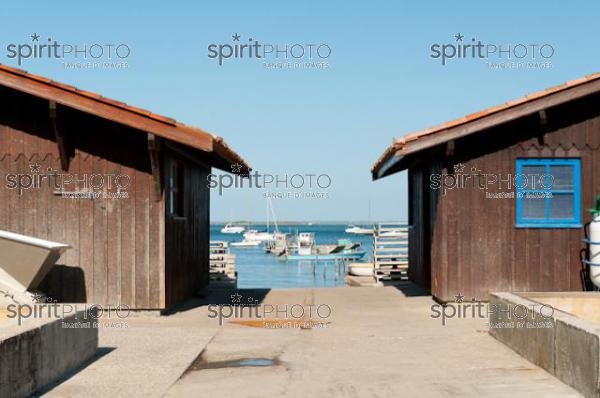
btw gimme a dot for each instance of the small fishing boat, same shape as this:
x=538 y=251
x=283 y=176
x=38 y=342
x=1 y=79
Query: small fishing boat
x=279 y=245
x=306 y=249
x=246 y=243
x=230 y=228
x=361 y=269
x=259 y=236
x=346 y=256
x=352 y=229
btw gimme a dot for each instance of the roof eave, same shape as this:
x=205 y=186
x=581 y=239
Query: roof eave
x=388 y=160
x=223 y=156
x=233 y=162
x=513 y=110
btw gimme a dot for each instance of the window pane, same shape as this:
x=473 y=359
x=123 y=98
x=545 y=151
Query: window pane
x=533 y=207
x=533 y=177
x=563 y=177
x=561 y=206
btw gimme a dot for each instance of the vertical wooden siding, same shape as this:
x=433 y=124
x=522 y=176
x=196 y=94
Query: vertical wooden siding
x=476 y=248
x=117 y=253
x=419 y=270
x=187 y=237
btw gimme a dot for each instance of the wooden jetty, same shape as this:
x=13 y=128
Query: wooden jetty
x=222 y=264
x=390 y=251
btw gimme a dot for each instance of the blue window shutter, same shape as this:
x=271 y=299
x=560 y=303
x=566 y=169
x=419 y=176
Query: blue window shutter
x=548 y=193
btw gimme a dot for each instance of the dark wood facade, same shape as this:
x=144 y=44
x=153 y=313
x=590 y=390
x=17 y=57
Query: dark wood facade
x=187 y=238
x=126 y=250
x=462 y=242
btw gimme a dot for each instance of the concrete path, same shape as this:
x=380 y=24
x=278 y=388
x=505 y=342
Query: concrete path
x=381 y=342
x=142 y=360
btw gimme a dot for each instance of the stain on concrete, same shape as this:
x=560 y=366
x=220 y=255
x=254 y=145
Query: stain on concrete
x=201 y=364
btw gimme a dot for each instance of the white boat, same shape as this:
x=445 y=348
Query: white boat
x=259 y=236
x=25 y=261
x=307 y=249
x=305 y=243
x=279 y=245
x=264 y=236
x=245 y=243
x=352 y=229
x=232 y=229
x=361 y=269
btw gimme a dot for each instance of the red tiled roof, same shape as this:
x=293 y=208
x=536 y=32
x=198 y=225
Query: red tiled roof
x=119 y=112
x=401 y=145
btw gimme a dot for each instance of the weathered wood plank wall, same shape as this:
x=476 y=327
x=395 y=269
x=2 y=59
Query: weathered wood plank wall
x=117 y=253
x=475 y=247
x=187 y=237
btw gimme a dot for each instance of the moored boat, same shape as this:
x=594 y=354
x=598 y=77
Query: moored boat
x=259 y=236
x=353 y=229
x=361 y=269
x=245 y=243
x=345 y=255
x=306 y=249
x=230 y=228
x=279 y=245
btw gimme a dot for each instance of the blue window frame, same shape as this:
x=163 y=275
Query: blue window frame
x=548 y=193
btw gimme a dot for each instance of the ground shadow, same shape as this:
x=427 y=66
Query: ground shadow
x=100 y=352
x=64 y=284
x=221 y=296
x=408 y=288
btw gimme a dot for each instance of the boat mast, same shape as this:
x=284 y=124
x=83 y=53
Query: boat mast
x=270 y=206
x=268 y=199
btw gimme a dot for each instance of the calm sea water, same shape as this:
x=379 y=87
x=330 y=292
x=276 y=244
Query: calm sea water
x=256 y=269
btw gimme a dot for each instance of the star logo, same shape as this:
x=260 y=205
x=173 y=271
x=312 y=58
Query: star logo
x=235 y=37
x=236 y=297
x=236 y=168
x=459 y=167
x=459 y=298
x=459 y=37
x=35 y=37
x=35 y=168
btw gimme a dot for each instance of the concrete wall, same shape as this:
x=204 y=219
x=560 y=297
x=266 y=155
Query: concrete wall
x=566 y=346
x=42 y=351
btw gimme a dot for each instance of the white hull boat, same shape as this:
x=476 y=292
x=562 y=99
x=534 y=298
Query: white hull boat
x=232 y=229
x=359 y=230
x=361 y=269
x=246 y=243
x=25 y=261
x=254 y=235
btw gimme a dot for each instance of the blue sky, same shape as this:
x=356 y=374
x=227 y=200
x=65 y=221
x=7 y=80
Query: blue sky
x=381 y=82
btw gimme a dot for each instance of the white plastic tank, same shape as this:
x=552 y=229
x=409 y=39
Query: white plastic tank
x=594 y=260
x=593 y=242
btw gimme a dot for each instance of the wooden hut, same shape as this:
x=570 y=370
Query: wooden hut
x=126 y=188
x=497 y=199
